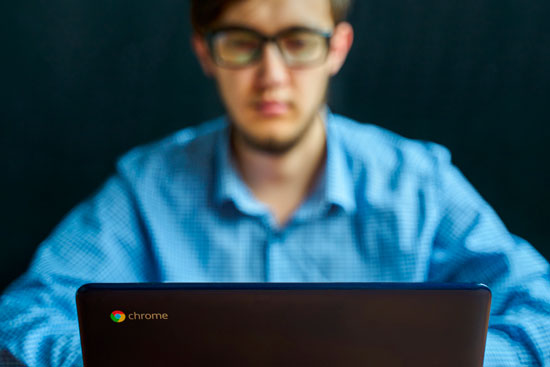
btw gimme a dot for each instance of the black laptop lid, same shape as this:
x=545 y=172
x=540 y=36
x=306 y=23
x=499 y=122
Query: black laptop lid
x=270 y=324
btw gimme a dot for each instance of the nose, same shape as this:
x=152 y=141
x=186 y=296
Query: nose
x=272 y=71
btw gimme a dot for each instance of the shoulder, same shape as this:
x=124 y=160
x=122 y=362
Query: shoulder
x=374 y=147
x=189 y=148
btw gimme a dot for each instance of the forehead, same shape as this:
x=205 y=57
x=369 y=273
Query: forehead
x=271 y=16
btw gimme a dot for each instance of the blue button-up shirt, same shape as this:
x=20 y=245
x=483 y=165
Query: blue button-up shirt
x=385 y=208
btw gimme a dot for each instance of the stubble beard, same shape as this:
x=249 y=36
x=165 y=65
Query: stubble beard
x=272 y=146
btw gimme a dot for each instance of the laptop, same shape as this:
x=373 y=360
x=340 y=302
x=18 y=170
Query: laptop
x=283 y=324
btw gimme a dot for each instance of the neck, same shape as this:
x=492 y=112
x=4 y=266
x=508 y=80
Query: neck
x=283 y=181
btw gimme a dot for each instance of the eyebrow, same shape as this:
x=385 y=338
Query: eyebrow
x=234 y=26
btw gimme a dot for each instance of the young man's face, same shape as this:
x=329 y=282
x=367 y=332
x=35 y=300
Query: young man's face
x=271 y=104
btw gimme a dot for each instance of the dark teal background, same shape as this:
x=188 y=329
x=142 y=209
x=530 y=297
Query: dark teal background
x=84 y=81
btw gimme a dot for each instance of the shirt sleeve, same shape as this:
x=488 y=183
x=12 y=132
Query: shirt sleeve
x=473 y=245
x=101 y=240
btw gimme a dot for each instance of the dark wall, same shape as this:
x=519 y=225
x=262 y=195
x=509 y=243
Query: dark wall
x=84 y=81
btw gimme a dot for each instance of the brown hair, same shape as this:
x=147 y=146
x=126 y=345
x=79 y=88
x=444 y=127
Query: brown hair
x=204 y=13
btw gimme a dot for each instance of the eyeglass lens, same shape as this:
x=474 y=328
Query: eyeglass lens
x=237 y=47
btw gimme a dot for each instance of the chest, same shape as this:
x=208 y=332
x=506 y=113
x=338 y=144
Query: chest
x=338 y=247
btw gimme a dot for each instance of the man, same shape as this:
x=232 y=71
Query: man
x=280 y=189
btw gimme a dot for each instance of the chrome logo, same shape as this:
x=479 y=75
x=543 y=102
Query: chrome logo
x=118 y=316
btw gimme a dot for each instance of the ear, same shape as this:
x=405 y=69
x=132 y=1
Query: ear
x=340 y=44
x=203 y=54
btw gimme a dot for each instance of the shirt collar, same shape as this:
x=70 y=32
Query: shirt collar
x=335 y=185
x=337 y=178
x=229 y=187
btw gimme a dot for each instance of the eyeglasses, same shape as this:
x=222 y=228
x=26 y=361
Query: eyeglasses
x=237 y=47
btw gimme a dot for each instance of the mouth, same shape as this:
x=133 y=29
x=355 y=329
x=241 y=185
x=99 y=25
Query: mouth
x=271 y=108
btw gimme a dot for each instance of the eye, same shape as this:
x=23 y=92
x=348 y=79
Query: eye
x=302 y=42
x=242 y=44
x=296 y=44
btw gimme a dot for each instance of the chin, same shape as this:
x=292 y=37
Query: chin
x=273 y=147
x=271 y=118
x=270 y=127
x=271 y=141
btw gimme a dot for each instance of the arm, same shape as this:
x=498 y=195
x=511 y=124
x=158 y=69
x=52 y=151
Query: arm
x=102 y=240
x=473 y=245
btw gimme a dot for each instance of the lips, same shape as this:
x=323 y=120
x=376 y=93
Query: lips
x=272 y=108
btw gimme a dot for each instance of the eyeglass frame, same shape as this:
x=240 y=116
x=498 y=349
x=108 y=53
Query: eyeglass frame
x=264 y=39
